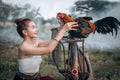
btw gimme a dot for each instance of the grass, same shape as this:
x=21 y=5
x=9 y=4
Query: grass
x=105 y=64
x=8 y=66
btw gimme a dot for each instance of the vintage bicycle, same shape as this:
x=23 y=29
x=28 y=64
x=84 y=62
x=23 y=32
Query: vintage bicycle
x=76 y=63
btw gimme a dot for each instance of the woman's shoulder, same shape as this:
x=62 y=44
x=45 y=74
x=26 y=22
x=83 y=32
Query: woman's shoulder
x=23 y=47
x=36 y=43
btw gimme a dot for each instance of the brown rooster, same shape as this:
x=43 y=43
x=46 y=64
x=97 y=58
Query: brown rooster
x=104 y=26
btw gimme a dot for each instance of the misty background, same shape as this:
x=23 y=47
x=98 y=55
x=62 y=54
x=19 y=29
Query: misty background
x=102 y=50
x=10 y=10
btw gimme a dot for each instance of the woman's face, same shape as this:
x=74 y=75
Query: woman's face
x=32 y=30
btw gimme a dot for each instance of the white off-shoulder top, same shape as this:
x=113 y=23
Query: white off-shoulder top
x=29 y=65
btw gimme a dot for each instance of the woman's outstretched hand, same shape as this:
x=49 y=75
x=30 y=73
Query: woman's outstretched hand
x=70 y=26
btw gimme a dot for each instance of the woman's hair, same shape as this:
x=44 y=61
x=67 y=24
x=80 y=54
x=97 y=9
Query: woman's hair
x=21 y=25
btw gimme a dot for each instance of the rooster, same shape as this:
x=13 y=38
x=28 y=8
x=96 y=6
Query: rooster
x=103 y=26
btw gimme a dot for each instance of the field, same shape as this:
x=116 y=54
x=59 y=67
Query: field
x=105 y=64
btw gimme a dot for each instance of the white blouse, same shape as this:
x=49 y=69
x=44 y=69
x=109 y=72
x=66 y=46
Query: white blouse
x=29 y=65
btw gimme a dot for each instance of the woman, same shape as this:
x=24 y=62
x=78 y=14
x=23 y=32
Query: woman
x=31 y=49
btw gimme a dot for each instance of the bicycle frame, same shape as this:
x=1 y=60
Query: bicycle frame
x=74 y=59
x=76 y=64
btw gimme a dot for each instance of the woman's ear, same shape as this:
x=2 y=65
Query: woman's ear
x=24 y=32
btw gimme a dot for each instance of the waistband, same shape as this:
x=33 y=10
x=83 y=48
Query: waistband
x=24 y=76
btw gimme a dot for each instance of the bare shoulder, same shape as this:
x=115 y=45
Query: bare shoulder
x=36 y=43
x=24 y=50
x=24 y=47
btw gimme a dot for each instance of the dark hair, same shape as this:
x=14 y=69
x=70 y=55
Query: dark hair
x=21 y=25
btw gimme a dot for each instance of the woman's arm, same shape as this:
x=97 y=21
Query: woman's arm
x=52 y=45
x=43 y=43
x=31 y=50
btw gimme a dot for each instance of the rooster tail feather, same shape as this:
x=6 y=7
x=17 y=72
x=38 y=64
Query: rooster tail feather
x=107 y=25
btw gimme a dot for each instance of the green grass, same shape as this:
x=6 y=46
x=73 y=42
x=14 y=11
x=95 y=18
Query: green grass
x=8 y=66
x=105 y=64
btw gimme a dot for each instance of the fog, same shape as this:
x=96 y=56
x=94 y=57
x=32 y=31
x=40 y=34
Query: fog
x=105 y=41
x=96 y=40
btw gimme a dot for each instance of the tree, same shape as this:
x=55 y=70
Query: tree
x=9 y=12
x=92 y=6
x=17 y=12
x=5 y=10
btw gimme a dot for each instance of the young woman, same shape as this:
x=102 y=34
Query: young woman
x=31 y=49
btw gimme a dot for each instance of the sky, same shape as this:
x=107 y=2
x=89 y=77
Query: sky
x=48 y=8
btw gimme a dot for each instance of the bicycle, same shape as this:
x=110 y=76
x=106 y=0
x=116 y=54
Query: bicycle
x=76 y=64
